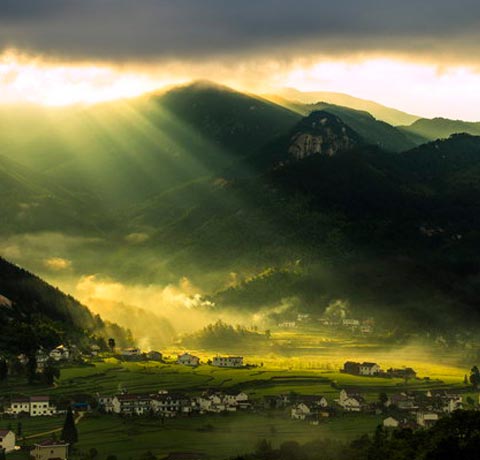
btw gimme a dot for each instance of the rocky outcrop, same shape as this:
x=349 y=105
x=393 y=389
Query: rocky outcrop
x=321 y=133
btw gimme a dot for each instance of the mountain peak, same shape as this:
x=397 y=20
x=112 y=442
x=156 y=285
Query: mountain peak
x=322 y=133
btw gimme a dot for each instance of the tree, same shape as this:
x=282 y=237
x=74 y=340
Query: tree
x=93 y=453
x=50 y=373
x=3 y=370
x=264 y=449
x=465 y=380
x=69 y=431
x=475 y=377
x=383 y=398
x=19 y=429
x=2 y=454
x=112 y=344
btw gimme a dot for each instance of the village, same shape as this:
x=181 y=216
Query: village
x=402 y=408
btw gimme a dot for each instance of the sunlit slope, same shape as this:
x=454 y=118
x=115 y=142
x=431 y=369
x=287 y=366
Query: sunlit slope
x=31 y=202
x=389 y=115
x=440 y=128
x=127 y=151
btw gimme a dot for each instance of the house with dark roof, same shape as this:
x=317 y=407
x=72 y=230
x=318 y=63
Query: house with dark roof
x=50 y=449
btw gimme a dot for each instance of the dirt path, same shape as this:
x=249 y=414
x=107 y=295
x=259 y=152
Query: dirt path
x=56 y=430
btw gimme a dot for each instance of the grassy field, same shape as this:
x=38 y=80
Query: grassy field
x=314 y=372
x=219 y=436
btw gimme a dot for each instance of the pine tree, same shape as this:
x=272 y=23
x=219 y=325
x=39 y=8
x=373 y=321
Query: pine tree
x=69 y=432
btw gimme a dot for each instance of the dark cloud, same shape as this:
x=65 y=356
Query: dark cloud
x=149 y=29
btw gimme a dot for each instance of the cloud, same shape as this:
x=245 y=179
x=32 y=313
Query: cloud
x=127 y=30
x=57 y=263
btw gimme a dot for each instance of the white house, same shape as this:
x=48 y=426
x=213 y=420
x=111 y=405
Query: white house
x=228 y=361
x=391 y=422
x=301 y=411
x=50 y=450
x=350 y=402
x=61 y=353
x=106 y=403
x=131 y=404
x=7 y=440
x=369 y=369
x=169 y=405
x=34 y=406
x=131 y=353
x=188 y=360
x=426 y=419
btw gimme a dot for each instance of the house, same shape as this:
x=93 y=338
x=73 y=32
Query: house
x=7 y=441
x=351 y=323
x=34 y=406
x=188 y=360
x=302 y=411
x=50 y=450
x=170 y=405
x=288 y=324
x=275 y=402
x=314 y=401
x=154 y=356
x=131 y=354
x=228 y=361
x=403 y=401
x=369 y=369
x=391 y=422
x=351 y=402
x=105 y=403
x=406 y=373
x=426 y=419
x=131 y=404
x=239 y=400
x=351 y=367
x=95 y=350
x=61 y=353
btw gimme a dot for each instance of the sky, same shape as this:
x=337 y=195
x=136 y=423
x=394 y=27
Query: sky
x=420 y=56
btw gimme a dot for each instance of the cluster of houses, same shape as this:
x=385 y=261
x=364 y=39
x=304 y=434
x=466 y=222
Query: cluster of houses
x=33 y=406
x=369 y=369
x=362 y=326
x=188 y=359
x=166 y=404
x=421 y=409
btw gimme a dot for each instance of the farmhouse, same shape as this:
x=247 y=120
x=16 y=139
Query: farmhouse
x=34 y=406
x=228 y=361
x=61 y=353
x=302 y=411
x=403 y=401
x=406 y=373
x=154 y=356
x=391 y=422
x=351 y=367
x=170 y=405
x=350 y=402
x=188 y=360
x=50 y=450
x=131 y=354
x=131 y=404
x=369 y=369
x=7 y=441
x=426 y=419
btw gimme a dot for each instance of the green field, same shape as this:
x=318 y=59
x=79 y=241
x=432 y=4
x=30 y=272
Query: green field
x=222 y=436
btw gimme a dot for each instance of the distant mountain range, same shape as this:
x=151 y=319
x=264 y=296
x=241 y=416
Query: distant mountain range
x=381 y=112
x=306 y=200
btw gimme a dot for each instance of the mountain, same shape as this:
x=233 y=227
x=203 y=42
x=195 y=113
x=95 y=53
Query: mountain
x=396 y=235
x=128 y=151
x=440 y=128
x=35 y=314
x=389 y=115
x=372 y=131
